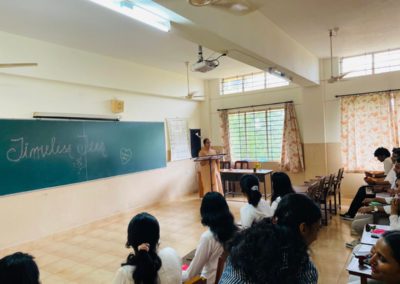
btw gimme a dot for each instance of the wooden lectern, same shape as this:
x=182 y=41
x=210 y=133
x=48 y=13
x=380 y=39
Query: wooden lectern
x=209 y=158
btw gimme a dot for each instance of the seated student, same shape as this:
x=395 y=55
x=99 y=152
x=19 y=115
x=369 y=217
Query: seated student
x=385 y=261
x=216 y=216
x=364 y=215
x=300 y=213
x=264 y=253
x=383 y=155
x=146 y=265
x=281 y=185
x=19 y=268
x=257 y=208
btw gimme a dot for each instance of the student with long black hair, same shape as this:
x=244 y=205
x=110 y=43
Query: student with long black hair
x=257 y=208
x=281 y=185
x=216 y=216
x=270 y=254
x=146 y=265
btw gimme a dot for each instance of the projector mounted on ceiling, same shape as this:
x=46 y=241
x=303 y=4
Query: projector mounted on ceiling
x=205 y=65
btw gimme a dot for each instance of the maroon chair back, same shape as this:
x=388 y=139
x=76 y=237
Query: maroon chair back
x=241 y=165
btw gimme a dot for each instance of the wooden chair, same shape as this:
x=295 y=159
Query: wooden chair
x=241 y=165
x=228 y=185
x=326 y=184
x=225 y=164
x=318 y=192
x=238 y=165
x=337 y=193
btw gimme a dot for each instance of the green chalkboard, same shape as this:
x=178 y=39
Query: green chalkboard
x=38 y=153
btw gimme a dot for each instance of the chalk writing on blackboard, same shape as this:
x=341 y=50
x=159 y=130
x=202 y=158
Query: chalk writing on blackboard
x=125 y=155
x=38 y=154
x=21 y=149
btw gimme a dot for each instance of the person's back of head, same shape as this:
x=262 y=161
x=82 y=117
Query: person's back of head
x=281 y=185
x=143 y=237
x=215 y=214
x=301 y=214
x=268 y=253
x=19 y=268
x=250 y=187
x=381 y=151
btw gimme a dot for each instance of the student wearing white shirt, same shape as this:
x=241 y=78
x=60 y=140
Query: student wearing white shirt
x=383 y=155
x=257 y=208
x=364 y=215
x=216 y=216
x=281 y=185
x=146 y=265
x=394 y=219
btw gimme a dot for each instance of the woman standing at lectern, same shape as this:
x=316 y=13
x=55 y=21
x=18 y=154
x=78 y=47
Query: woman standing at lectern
x=208 y=180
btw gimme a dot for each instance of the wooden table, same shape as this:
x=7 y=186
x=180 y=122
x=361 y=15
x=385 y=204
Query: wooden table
x=236 y=174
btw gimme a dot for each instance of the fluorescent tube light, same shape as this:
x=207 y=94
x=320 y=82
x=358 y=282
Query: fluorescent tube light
x=135 y=11
x=75 y=116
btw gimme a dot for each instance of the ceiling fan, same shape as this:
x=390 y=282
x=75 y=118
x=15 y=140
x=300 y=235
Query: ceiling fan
x=190 y=94
x=238 y=7
x=333 y=79
x=11 y=65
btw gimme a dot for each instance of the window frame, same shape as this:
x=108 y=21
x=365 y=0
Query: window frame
x=373 y=63
x=269 y=148
x=242 y=84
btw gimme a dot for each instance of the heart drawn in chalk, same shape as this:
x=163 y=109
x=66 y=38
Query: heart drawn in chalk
x=125 y=155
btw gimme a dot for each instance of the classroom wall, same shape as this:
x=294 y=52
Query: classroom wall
x=318 y=115
x=73 y=81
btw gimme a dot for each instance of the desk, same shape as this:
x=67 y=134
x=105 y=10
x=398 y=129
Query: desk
x=363 y=272
x=366 y=236
x=236 y=174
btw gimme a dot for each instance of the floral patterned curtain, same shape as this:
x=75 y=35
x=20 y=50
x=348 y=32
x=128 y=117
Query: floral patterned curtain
x=395 y=95
x=225 y=134
x=367 y=122
x=292 y=158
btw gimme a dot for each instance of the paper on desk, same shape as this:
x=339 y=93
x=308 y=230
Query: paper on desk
x=362 y=249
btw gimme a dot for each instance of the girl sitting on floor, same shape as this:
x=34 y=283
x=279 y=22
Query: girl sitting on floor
x=281 y=185
x=216 y=216
x=146 y=265
x=257 y=208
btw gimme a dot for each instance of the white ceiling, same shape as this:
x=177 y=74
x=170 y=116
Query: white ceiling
x=83 y=25
x=365 y=25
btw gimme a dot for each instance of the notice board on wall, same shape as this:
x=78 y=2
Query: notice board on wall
x=44 y=153
x=178 y=135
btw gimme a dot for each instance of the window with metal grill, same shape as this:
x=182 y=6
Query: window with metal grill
x=251 y=82
x=256 y=135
